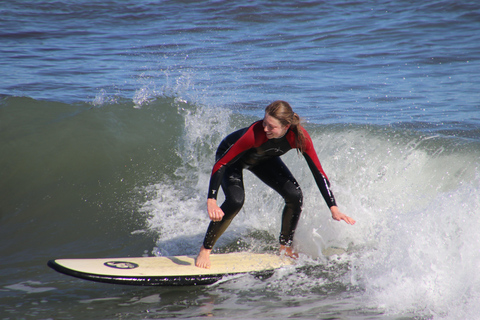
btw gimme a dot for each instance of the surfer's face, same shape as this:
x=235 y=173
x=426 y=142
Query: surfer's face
x=273 y=128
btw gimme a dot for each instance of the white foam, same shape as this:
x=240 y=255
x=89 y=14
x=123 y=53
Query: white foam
x=29 y=287
x=415 y=245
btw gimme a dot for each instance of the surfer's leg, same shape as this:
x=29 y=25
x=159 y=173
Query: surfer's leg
x=276 y=175
x=232 y=186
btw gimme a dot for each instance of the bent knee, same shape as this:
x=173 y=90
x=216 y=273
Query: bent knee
x=294 y=196
x=233 y=203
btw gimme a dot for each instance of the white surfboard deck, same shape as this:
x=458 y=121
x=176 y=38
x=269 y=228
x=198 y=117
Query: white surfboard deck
x=164 y=271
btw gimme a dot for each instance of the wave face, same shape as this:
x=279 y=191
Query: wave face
x=110 y=179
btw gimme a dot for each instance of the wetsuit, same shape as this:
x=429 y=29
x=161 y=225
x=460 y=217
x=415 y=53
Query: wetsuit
x=249 y=148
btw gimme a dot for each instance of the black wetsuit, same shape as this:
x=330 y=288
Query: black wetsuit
x=249 y=148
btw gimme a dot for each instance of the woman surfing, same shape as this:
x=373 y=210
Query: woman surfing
x=258 y=148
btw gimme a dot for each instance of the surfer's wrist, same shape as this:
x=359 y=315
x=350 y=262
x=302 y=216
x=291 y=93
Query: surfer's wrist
x=334 y=209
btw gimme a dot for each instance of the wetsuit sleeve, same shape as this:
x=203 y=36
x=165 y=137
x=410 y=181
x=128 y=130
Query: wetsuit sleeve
x=317 y=171
x=250 y=139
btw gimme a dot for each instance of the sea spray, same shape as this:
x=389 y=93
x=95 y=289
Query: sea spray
x=418 y=198
x=413 y=196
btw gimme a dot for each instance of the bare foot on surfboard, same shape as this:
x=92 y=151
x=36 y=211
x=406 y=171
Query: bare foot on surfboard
x=288 y=251
x=203 y=258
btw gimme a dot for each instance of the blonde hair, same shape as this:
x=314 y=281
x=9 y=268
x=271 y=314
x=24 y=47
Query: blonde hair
x=282 y=111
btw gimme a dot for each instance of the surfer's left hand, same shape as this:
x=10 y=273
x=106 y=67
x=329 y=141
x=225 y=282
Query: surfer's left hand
x=339 y=216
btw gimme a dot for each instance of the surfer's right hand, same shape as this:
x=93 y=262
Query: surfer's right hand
x=214 y=211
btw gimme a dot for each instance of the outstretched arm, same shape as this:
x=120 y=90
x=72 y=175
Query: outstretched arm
x=337 y=215
x=322 y=180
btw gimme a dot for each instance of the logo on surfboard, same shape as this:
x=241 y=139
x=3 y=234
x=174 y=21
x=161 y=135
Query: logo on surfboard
x=121 y=265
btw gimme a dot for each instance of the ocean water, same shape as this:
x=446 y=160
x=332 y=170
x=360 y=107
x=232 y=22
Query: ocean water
x=111 y=112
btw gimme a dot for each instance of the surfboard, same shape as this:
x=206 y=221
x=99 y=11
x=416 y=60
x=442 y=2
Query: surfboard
x=169 y=271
